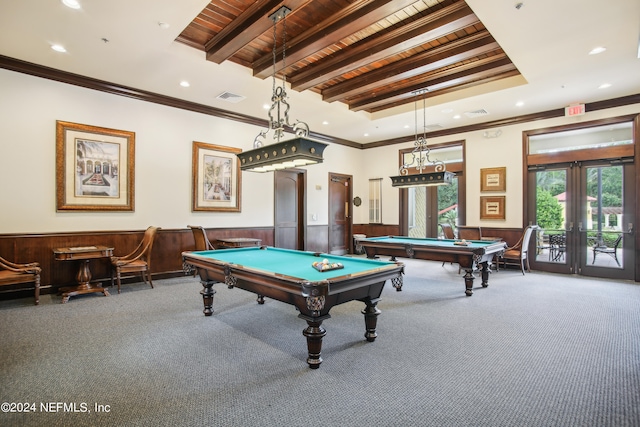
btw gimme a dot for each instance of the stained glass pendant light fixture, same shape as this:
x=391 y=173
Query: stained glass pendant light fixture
x=299 y=151
x=421 y=161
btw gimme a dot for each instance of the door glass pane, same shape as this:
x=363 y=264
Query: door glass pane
x=604 y=207
x=417 y=212
x=448 y=205
x=551 y=215
x=579 y=139
x=375 y=201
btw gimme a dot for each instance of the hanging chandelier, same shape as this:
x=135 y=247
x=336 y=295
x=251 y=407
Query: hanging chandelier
x=299 y=151
x=420 y=159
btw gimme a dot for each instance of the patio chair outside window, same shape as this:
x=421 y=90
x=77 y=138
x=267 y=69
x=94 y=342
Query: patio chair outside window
x=606 y=250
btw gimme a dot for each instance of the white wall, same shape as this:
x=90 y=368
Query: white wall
x=30 y=106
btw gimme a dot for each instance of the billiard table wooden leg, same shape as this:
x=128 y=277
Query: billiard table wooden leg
x=485 y=274
x=314 y=333
x=371 y=314
x=468 y=282
x=207 y=296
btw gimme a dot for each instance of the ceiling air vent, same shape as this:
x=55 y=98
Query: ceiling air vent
x=476 y=113
x=435 y=126
x=230 y=97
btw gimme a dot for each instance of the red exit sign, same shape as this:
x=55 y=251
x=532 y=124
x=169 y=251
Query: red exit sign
x=574 y=110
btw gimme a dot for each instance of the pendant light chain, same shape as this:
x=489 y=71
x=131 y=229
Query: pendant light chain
x=291 y=153
x=420 y=154
x=273 y=53
x=279 y=111
x=284 y=50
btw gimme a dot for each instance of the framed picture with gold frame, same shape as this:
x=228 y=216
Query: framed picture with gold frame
x=492 y=207
x=94 y=168
x=216 y=178
x=493 y=179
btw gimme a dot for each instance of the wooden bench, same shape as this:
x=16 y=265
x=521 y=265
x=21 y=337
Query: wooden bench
x=15 y=274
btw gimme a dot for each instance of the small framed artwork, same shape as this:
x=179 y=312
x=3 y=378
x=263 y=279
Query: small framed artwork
x=493 y=179
x=492 y=207
x=216 y=178
x=94 y=168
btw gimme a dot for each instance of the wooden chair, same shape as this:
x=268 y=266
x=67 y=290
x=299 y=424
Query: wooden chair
x=200 y=237
x=202 y=244
x=519 y=252
x=447 y=231
x=14 y=274
x=469 y=233
x=137 y=261
x=606 y=250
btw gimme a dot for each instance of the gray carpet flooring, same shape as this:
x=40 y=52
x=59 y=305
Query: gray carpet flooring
x=534 y=350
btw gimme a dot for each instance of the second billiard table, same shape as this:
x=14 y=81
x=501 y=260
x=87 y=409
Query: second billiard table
x=476 y=253
x=288 y=276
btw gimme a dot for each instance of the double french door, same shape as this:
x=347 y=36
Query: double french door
x=585 y=212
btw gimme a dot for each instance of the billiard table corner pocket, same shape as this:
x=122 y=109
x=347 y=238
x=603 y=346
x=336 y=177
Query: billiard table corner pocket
x=315 y=294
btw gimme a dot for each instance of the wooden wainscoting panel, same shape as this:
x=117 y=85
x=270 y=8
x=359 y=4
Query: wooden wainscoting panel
x=375 y=230
x=166 y=259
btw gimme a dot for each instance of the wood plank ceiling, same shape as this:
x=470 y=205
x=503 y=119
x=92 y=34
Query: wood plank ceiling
x=369 y=54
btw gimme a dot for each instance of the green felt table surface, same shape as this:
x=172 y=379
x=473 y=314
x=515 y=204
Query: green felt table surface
x=293 y=263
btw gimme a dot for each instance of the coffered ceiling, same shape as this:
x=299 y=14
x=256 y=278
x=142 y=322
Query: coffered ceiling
x=352 y=66
x=370 y=55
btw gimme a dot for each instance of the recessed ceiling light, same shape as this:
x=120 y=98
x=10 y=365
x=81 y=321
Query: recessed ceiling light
x=184 y=83
x=597 y=50
x=457 y=116
x=366 y=134
x=58 y=48
x=519 y=104
x=266 y=106
x=163 y=25
x=73 y=4
x=604 y=85
x=325 y=122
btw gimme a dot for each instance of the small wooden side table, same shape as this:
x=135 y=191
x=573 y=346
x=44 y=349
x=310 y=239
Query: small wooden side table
x=238 y=242
x=82 y=254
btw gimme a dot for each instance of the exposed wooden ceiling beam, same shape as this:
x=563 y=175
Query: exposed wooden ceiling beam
x=442 y=56
x=450 y=89
x=358 y=15
x=250 y=24
x=376 y=48
x=459 y=75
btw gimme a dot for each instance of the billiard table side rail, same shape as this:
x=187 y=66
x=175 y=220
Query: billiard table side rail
x=466 y=256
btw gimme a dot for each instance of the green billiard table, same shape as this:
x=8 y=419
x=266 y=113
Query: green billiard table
x=478 y=253
x=288 y=276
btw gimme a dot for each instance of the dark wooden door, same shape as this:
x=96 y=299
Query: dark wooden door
x=340 y=216
x=289 y=209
